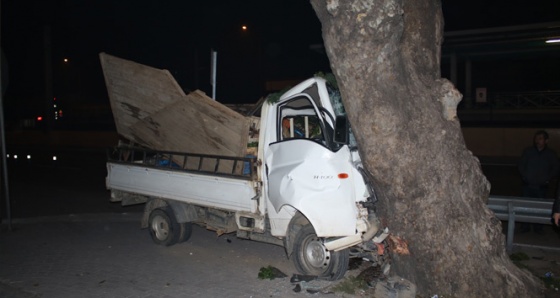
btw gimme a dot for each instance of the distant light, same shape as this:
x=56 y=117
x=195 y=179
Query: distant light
x=39 y=118
x=244 y=28
x=7 y=155
x=54 y=157
x=65 y=60
x=15 y=156
x=557 y=40
x=28 y=156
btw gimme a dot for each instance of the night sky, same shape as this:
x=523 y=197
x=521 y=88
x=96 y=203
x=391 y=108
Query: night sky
x=178 y=35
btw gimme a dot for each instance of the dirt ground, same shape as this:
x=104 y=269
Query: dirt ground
x=540 y=254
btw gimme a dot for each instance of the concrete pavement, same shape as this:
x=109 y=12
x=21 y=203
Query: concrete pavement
x=108 y=255
x=101 y=252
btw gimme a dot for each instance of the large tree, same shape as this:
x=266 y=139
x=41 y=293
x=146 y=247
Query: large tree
x=385 y=55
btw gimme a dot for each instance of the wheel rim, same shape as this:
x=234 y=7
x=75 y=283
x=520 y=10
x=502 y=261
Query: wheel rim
x=316 y=255
x=160 y=226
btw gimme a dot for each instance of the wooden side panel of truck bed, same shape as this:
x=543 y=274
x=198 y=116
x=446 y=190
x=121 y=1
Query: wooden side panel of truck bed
x=151 y=109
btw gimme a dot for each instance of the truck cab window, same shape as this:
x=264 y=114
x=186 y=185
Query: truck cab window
x=298 y=119
x=307 y=127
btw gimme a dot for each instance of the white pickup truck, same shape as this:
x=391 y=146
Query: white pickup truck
x=302 y=186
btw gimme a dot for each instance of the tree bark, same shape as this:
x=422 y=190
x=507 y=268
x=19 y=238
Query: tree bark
x=385 y=55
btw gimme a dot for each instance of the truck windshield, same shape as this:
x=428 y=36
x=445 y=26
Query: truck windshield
x=338 y=107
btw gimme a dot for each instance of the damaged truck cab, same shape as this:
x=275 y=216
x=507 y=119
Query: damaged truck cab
x=316 y=197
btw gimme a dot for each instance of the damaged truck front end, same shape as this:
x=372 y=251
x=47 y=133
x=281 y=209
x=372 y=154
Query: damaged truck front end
x=319 y=198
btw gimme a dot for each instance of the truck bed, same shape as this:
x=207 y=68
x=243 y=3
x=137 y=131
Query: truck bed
x=207 y=180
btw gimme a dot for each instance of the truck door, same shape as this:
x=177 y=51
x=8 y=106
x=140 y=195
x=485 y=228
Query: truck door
x=308 y=173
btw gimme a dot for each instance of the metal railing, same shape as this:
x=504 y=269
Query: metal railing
x=226 y=166
x=544 y=99
x=520 y=209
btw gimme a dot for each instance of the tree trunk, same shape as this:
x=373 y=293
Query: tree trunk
x=385 y=55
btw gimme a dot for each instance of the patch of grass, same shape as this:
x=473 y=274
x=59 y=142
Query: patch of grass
x=350 y=285
x=270 y=273
x=522 y=266
x=520 y=256
x=266 y=273
x=551 y=282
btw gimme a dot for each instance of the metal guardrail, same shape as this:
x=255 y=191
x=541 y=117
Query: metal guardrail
x=520 y=100
x=520 y=209
x=225 y=166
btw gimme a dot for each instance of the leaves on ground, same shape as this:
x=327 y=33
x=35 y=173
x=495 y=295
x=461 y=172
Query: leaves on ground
x=520 y=256
x=271 y=273
x=350 y=285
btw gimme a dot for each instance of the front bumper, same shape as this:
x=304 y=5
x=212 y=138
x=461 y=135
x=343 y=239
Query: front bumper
x=365 y=231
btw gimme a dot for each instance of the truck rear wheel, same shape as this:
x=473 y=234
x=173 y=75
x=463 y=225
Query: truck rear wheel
x=164 y=229
x=311 y=257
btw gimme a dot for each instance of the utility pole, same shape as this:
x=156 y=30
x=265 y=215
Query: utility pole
x=3 y=140
x=213 y=63
x=49 y=112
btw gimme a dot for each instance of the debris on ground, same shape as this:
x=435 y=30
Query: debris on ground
x=398 y=245
x=271 y=273
x=363 y=279
x=395 y=287
x=300 y=277
x=355 y=263
x=312 y=287
x=310 y=283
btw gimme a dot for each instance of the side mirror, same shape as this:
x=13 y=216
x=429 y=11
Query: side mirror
x=341 y=130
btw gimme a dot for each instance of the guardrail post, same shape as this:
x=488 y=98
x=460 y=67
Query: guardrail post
x=511 y=227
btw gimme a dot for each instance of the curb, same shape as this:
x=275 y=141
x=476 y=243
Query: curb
x=87 y=217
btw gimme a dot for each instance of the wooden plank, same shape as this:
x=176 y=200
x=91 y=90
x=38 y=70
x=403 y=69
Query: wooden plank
x=197 y=124
x=136 y=91
x=152 y=110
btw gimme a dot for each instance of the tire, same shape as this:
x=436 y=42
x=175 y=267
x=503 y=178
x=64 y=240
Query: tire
x=312 y=258
x=164 y=229
x=186 y=232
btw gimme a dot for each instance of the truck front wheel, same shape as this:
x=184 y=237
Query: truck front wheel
x=164 y=229
x=312 y=258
